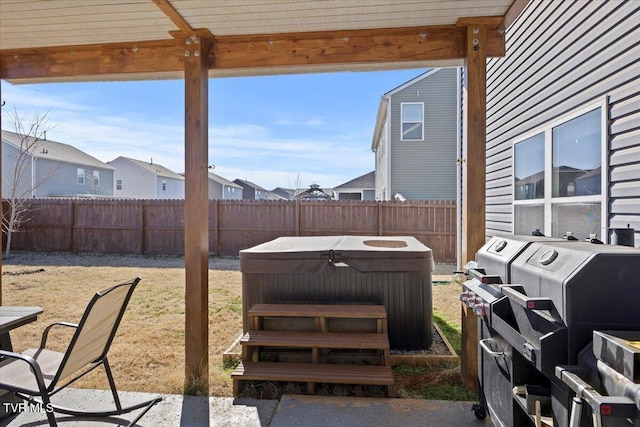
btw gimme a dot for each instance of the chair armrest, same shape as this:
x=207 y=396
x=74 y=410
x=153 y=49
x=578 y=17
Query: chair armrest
x=45 y=334
x=33 y=364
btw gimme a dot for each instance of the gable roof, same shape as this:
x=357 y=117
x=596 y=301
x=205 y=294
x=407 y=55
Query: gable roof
x=243 y=183
x=411 y=82
x=223 y=181
x=384 y=102
x=368 y=180
x=154 y=168
x=57 y=151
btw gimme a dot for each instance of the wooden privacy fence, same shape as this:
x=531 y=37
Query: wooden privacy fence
x=157 y=226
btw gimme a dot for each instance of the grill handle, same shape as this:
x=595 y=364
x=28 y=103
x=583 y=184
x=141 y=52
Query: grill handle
x=607 y=406
x=514 y=293
x=485 y=346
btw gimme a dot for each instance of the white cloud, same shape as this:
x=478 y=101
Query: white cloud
x=247 y=151
x=316 y=122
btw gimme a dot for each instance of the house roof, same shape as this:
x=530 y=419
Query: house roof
x=154 y=168
x=410 y=82
x=286 y=193
x=223 y=181
x=51 y=150
x=243 y=183
x=368 y=180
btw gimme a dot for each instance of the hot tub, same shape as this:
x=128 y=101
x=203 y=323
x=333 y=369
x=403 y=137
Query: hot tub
x=391 y=271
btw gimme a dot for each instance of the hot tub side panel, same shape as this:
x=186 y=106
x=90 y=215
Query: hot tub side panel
x=407 y=297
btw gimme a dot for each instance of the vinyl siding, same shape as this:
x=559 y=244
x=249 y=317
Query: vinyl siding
x=174 y=188
x=137 y=182
x=61 y=180
x=426 y=169
x=562 y=55
x=10 y=156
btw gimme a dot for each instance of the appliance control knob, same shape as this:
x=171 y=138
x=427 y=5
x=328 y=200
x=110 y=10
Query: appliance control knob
x=465 y=295
x=473 y=301
x=481 y=309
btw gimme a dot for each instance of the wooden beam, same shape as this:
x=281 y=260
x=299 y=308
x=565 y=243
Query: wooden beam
x=174 y=15
x=473 y=181
x=196 y=215
x=92 y=60
x=512 y=14
x=390 y=45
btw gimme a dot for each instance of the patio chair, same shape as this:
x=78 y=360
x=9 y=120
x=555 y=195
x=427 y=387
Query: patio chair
x=37 y=374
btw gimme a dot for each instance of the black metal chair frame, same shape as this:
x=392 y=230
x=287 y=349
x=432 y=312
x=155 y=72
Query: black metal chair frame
x=42 y=396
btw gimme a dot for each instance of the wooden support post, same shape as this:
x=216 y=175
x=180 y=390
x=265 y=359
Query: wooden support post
x=196 y=215
x=473 y=182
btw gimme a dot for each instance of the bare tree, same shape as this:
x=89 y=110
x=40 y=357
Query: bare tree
x=296 y=185
x=20 y=180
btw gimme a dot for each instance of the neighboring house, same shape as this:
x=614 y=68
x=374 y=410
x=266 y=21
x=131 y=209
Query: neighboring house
x=360 y=188
x=138 y=179
x=563 y=121
x=55 y=170
x=222 y=189
x=251 y=191
x=416 y=138
x=285 y=193
x=275 y=196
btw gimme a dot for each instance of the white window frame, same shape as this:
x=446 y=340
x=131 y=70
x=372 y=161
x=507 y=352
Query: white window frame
x=96 y=179
x=80 y=174
x=402 y=122
x=118 y=184
x=548 y=201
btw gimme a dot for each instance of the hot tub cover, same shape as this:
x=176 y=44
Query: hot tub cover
x=316 y=254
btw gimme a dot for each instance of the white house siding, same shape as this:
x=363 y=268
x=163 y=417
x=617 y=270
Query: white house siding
x=169 y=188
x=427 y=169
x=562 y=55
x=382 y=165
x=137 y=183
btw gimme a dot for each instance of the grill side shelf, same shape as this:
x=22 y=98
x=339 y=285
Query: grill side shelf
x=543 y=348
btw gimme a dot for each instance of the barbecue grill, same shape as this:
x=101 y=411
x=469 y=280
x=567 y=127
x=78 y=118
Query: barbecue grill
x=559 y=331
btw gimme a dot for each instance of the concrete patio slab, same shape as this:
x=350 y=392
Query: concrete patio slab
x=172 y=411
x=325 y=411
x=290 y=411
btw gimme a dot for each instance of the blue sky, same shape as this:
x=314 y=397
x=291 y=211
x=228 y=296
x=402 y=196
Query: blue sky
x=275 y=131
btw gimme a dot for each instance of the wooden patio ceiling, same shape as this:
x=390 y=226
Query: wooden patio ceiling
x=79 y=40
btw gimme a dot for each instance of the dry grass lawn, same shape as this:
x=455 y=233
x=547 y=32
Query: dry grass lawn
x=148 y=352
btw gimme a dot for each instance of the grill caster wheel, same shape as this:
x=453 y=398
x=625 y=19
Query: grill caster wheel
x=479 y=411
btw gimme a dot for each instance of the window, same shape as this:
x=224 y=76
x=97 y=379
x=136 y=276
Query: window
x=529 y=168
x=80 y=176
x=412 y=121
x=164 y=185
x=558 y=178
x=96 y=179
x=118 y=184
x=577 y=156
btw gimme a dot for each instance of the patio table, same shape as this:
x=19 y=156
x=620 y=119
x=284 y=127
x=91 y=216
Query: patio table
x=12 y=317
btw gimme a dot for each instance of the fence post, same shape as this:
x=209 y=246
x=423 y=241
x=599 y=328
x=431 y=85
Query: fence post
x=216 y=219
x=380 y=219
x=72 y=225
x=297 y=217
x=143 y=226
